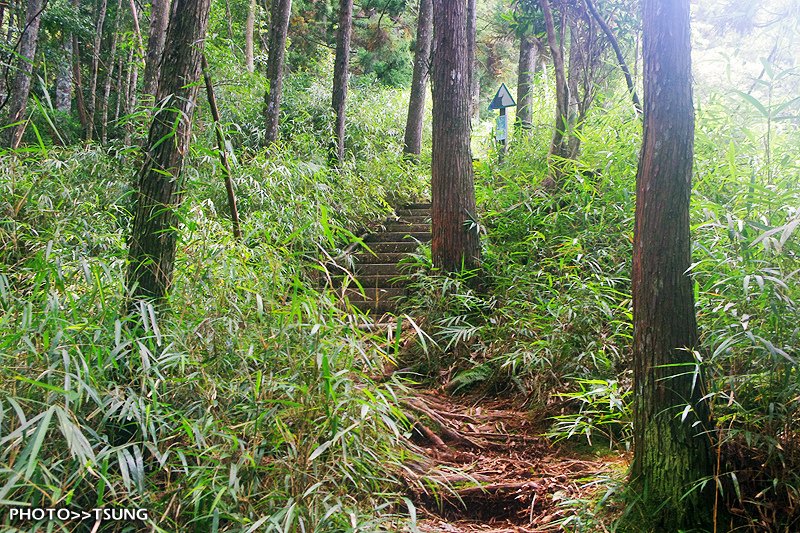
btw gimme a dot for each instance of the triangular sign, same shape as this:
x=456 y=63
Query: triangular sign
x=502 y=99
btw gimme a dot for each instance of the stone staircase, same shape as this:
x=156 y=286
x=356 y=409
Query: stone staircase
x=376 y=269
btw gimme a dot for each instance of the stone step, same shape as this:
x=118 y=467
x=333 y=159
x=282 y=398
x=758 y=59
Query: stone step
x=372 y=294
x=393 y=247
x=398 y=236
x=380 y=269
x=415 y=219
x=376 y=309
x=373 y=281
x=419 y=205
x=413 y=212
x=420 y=227
x=366 y=258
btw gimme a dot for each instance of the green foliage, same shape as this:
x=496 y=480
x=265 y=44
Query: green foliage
x=604 y=410
x=745 y=220
x=251 y=404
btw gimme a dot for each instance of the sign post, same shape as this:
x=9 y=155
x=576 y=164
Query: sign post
x=501 y=101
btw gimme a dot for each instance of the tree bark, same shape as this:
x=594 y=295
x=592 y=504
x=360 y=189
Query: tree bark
x=472 y=58
x=279 y=28
x=558 y=146
x=618 y=52
x=341 y=73
x=248 y=37
x=671 y=446
x=118 y=110
x=98 y=41
x=159 y=19
x=419 y=80
x=153 y=241
x=528 y=59
x=83 y=114
x=21 y=86
x=64 y=77
x=577 y=71
x=455 y=243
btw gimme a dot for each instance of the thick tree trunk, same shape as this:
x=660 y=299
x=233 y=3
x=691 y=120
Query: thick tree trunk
x=279 y=28
x=98 y=41
x=248 y=37
x=159 y=18
x=528 y=59
x=558 y=144
x=455 y=243
x=341 y=73
x=153 y=240
x=21 y=86
x=618 y=52
x=64 y=77
x=671 y=446
x=472 y=61
x=419 y=80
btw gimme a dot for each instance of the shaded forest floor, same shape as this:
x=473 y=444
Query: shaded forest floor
x=494 y=471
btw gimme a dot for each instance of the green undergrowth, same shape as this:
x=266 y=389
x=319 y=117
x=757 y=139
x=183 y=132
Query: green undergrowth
x=252 y=404
x=549 y=314
x=551 y=303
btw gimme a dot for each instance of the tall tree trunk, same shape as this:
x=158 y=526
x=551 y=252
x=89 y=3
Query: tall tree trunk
x=111 y=61
x=119 y=90
x=558 y=146
x=159 y=18
x=137 y=30
x=576 y=70
x=528 y=59
x=248 y=37
x=419 y=80
x=21 y=86
x=618 y=52
x=83 y=114
x=472 y=58
x=64 y=77
x=153 y=241
x=671 y=446
x=455 y=242
x=98 y=41
x=279 y=28
x=341 y=73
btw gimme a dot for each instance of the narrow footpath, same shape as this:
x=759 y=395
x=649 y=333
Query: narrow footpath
x=495 y=471
x=485 y=464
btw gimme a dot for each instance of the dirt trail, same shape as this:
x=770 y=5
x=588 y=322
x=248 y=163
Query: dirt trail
x=504 y=476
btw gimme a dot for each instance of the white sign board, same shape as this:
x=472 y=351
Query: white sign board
x=501 y=128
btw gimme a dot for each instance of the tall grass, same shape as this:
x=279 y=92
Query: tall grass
x=555 y=312
x=251 y=405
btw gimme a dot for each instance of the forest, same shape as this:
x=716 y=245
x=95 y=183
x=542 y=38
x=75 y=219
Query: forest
x=419 y=266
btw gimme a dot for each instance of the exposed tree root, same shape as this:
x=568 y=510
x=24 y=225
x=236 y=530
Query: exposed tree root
x=493 y=470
